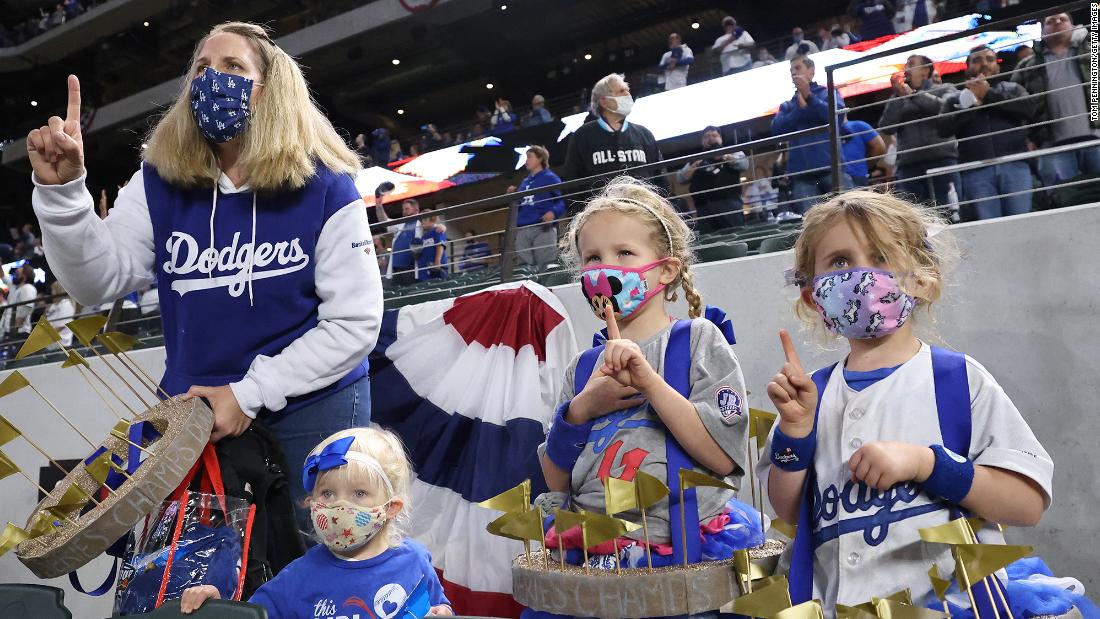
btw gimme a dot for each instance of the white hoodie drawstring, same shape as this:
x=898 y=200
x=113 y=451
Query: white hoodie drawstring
x=213 y=210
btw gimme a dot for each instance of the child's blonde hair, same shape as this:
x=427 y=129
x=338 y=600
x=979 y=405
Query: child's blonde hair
x=900 y=230
x=386 y=448
x=671 y=237
x=286 y=138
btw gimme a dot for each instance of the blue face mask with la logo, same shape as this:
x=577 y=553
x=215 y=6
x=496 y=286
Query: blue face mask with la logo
x=220 y=104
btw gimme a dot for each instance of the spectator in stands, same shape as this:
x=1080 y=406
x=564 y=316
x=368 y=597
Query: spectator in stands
x=381 y=253
x=1024 y=52
x=475 y=254
x=734 y=47
x=362 y=148
x=988 y=110
x=432 y=139
x=431 y=247
x=538 y=115
x=502 y=120
x=763 y=58
x=610 y=142
x=1060 y=68
x=862 y=148
x=59 y=312
x=920 y=146
x=801 y=45
x=834 y=38
x=380 y=146
x=72 y=8
x=876 y=17
x=675 y=63
x=396 y=152
x=760 y=195
x=715 y=182
x=537 y=236
x=57 y=17
x=22 y=296
x=402 y=257
x=809 y=158
x=483 y=115
x=913 y=14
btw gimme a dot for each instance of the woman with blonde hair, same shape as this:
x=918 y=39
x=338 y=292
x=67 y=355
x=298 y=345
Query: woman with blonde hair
x=245 y=214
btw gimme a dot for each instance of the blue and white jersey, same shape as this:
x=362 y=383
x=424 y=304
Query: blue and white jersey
x=865 y=540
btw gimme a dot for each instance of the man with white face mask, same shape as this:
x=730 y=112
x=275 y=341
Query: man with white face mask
x=611 y=142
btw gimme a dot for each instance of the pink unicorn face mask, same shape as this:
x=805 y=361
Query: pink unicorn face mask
x=861 y=303
x=624 y=288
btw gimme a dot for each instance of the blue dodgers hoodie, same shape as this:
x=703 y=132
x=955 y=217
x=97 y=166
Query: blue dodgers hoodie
x=237 y=275
x=811 y=151
x=533 y=207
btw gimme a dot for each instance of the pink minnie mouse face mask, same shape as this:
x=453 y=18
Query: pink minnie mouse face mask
x=624 y=288
x=861 y=303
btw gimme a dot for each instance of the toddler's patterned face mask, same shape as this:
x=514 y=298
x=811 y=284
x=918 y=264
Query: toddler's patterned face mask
x=220 y=104
x=625 y=288
x=861 y=303
x=345 y=526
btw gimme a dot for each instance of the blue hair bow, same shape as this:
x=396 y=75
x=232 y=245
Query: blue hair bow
x=334 y=455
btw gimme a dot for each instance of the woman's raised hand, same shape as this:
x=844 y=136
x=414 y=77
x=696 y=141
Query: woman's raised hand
x=56 y=150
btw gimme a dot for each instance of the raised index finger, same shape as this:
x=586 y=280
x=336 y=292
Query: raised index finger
x=612 y=325
x=788 y=349
x=72 y=112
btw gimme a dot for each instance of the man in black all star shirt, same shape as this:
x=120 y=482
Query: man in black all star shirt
x=610 y=142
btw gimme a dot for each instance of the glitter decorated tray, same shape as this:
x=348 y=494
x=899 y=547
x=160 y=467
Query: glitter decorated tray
x=606 y=594
x=185 y=430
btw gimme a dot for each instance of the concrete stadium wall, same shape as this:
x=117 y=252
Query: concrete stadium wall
x=1023 y=300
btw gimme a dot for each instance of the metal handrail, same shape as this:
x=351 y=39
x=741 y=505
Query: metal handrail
x=834 y=124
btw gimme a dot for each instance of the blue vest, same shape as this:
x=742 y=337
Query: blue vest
x=678 y=375
x=211 y=330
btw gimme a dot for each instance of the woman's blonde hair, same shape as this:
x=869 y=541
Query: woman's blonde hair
x=671 y=237
x=900 y=230
x=387 y=449
x=286 y=138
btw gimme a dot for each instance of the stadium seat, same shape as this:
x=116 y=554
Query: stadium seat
x=724 y=251
x=556 y=279
x=778 y=243
x=37 y=601
x=212 y=609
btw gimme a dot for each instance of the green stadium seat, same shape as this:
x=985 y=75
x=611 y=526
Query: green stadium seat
x=778 y=243
x=211 y=609
x=724 y=251
x=37 y=601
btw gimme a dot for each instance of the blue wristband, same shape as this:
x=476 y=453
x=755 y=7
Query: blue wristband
x=793 y=454
x=952 y=476
x=566 y=441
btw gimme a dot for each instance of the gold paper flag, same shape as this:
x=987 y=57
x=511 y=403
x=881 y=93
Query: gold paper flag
x=74 y=359
x=939 y=585
x=8 y=432
x=74 y=498
x=602 y=528
x=650 y=489
x=44 y=523
x=117 y=342
x=891 y=609
x=11 y=537
x=905 y=596
x=695 y=479
x=41 y=336
x=85 y=329
x=766 y=600
x=121 y=430
x=495 y=526
x=7 y=467
x=805 y=610
x=523 y=525
x=619 y=496
x=14 y=382
x=513 y=500
x=99 y=467
x=760 y=424
x=744 y=566
x=565 y=520
x=784 y=527
x=981 y=560
x=955 y=532
x=853 y=612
